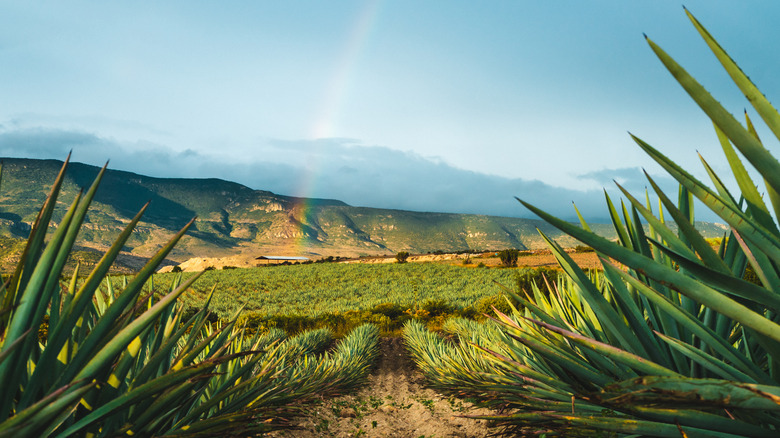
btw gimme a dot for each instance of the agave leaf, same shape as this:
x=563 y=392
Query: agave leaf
x=774 y=197
x=224 y=425
x=73 y=228
x=763 y=238
x=617 y=223
x=163 y=352
x=150 y=413
x=751 y=92
x=701 y=420
x=719 y=186
x=657 y=225
x=632 y=360
x=528 y=373
x=693 y=325
x=705 y=251
x=724 y=282
x=771 y=349
x=633 y=426
x=763 y=266
x=766 y=164
x=60 y=333
x=107 y=323
x=244 y=391
x=756 y=205
x=608 y=317
x=711 y=392
x=142 y=392
x=717 y=366
x=676 y=280
x=637 y=322
x=35 y=243
x=123 y=339
x=49 y=409
x=193 y=353
x=582 y=219
x=28 y=315
x=9 y=347
x=638 y=233
x=570 y=362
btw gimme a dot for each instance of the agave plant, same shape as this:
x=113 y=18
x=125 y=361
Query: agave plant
x=679 y=342
x=125 y=362
x=670 y=339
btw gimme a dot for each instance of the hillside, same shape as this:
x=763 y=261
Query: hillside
x=234 y=219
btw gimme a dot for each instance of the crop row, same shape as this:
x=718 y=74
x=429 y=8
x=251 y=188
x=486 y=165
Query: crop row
x=317 y=289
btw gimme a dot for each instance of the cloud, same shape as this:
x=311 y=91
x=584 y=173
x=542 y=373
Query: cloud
x=631 y=178
x=369 y=176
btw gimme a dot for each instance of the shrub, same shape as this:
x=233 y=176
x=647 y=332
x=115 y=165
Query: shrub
x=484 y=306
x=508 y=257
x=525 y=279
x=401 y=257
x=437 y=307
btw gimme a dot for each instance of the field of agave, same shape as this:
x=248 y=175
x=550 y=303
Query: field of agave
x=334 y=287
x=343 y=296
x=677 y=343
x=81 y=359
x=668 y=340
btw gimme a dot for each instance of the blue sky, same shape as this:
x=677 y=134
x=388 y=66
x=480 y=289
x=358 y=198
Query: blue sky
x=453 y=106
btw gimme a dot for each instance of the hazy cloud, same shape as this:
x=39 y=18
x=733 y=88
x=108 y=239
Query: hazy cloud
x=631 y=178
x=341 y=169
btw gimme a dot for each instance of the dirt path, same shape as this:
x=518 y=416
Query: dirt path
x=393 y=403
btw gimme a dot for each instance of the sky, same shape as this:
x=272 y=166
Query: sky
x=447 y=106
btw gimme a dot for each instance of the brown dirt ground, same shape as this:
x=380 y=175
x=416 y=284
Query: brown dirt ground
x=393 y=403
x=531 y=258
x=526 y=259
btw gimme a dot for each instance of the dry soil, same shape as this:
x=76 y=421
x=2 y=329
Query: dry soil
x=394 y=403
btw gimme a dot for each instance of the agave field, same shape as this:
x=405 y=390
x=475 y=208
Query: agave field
x=334 y=287
x=669 y=339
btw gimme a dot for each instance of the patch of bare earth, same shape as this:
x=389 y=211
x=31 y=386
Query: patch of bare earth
x=393 y=403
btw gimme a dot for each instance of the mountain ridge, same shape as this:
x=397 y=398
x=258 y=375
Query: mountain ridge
x=235 y=219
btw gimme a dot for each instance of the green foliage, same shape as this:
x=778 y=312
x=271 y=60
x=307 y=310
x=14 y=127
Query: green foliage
x=388 y=317
x=583 y=248
x=121 y=360
x=681 y=339
x=321 y=288
x=526 y=280
x=487 y=305
x=438 y=307
x=508 y=257
x=401 y=256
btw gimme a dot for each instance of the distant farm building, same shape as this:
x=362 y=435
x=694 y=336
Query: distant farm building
x=277 y=260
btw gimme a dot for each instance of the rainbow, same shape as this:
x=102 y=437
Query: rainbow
x=325 y=122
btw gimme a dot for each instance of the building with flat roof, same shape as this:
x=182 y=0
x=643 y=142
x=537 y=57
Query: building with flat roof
x=275 y=260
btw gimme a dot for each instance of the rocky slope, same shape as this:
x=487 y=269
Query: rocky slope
x=236 y=220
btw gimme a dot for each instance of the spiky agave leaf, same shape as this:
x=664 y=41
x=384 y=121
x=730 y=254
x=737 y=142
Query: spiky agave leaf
x=666 y=342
